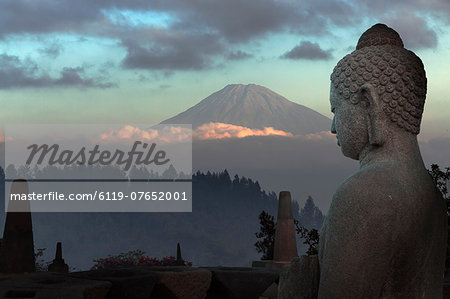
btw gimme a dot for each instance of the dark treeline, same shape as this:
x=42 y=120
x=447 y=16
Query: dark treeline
x=91 y=172
x=220 y=230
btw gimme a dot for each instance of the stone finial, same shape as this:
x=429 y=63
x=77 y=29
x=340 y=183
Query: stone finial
x=58 y=264
x=17 y=250
x=284 y=206
x=58 y=254
x=285 y=248
x=179 y=261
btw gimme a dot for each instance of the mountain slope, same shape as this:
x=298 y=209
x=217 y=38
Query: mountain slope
x=255 y=107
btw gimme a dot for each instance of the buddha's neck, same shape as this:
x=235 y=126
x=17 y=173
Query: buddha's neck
x=397 y=148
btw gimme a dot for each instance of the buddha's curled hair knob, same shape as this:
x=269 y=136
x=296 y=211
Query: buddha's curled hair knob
x=379 y=35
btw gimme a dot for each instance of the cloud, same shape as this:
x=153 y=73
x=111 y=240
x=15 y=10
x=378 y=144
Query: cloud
x=17 y=17
x=234 y=20
x=237 y=20
x=324 y=135
x=74 y=77
x=171 y=134
x=238 y=55
x=307 y=50
x=414 y=31
x=436 y=8
x=52 y=50
x=221 y=130
x=209 y=131
x=196 y=32
x=160 y=134
x=171 y=50
x=129 y=132
x=16 y=73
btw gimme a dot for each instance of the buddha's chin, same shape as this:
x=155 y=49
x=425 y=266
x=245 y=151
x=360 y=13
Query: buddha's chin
x=349 y=154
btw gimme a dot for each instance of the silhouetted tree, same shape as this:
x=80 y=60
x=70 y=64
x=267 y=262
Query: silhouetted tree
x=267 y=234
x=311 y=216
x=225 y=177
x=11 y=172
x=170 y=173
x=311 y=238
x=41 y=265
x=440 y=179
x=140 y=173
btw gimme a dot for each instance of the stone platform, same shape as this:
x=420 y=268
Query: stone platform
x=269 y=264
x=142 y=282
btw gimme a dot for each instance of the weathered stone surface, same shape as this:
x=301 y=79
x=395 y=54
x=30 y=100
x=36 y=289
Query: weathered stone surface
x=44 y=285
x=130 y=283
x=17 y=250
x=236 y=283
x=271 y=292
x=385 y=233
x=58 y=264
x=447 y=260
x=285 y=248
x=269 y=264
x=184 y=282
x=139 y=283
x=277 y=265
x=181 y=283
x=259 y=264
x=301 y=281
x=446 y=293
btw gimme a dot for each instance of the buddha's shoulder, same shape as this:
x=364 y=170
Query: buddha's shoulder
x=370 y=176
x=376 y=184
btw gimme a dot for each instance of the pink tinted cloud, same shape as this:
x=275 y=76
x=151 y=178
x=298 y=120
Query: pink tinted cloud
x=164 y=134
x=129 y=132
x=319 y=136
x=216 y=130
x=209 y=131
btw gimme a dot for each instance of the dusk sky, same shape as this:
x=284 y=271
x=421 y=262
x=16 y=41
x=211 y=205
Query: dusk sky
x=145 y=61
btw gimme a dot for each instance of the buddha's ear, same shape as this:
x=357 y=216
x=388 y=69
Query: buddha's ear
x=369 y=97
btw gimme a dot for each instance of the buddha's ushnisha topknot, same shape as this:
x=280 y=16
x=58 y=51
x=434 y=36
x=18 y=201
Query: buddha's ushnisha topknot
x=379 y=35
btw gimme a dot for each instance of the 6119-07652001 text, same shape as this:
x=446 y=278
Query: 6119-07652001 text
x=102 y=195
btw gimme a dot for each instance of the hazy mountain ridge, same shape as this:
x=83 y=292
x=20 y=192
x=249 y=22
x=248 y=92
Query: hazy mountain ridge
x=255 y=107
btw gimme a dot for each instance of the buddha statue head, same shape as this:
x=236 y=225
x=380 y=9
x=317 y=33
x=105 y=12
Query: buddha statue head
x=377 y=91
